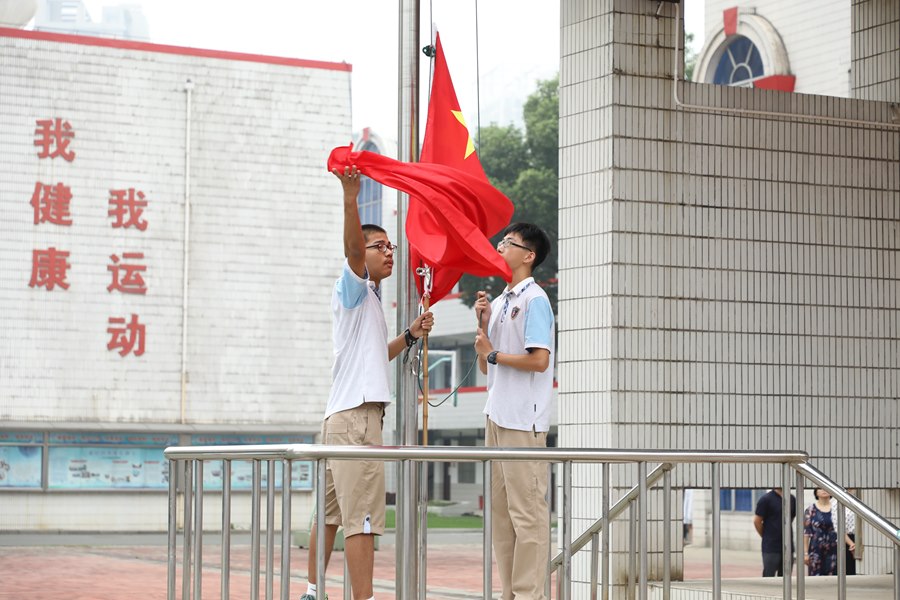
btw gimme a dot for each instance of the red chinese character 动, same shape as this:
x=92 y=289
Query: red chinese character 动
x=48 y=268
x=51 y=204
x=126 y=336
x=53 y=137
x=127 y=203
x=131 y=280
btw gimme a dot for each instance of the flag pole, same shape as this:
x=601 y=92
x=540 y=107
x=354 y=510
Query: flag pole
x=425 y=273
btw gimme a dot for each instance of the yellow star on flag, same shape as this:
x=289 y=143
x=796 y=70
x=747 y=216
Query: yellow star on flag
x=470 y=146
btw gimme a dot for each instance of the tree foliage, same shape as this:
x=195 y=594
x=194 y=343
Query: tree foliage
x=525 y=167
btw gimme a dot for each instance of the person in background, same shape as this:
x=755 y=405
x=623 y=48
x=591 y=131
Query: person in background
x=849 y=534
x=687 y=527
x=820 y=536
x=768 y=524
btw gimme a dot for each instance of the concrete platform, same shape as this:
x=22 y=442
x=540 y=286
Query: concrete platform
x=868 y=587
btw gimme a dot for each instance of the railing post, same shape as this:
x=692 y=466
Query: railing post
x=667 y=534
x=270 y=529
x=786 y=535
x=642 y=533
x=320 y=527
x=486 y=542
x=717 y=532
x=348 y=592
x=841 y=552
x=254 y=531
x=897 y=569
x=173 y=530
x=801 y=566
x=287 y=475
x=422 y=545
x=567 y=531
x=198 y=531
x=595 y=562
x=226 y=528
x=632 y=548
x=604 y=559
x=188 y=518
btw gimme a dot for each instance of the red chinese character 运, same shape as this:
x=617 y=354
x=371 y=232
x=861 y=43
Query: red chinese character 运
x=127 y=203
x=126 y=336
x=131 y=280
x=48 y=268
x=51 y=204
x=55 y=134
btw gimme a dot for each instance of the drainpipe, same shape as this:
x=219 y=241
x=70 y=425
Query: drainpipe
x=186 y=254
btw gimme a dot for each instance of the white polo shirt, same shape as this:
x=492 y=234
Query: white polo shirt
x=361 y=370
x=521 y=318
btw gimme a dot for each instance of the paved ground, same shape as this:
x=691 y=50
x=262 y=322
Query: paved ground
x=118 y=567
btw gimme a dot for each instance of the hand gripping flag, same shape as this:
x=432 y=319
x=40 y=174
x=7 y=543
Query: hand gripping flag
x=457 y=209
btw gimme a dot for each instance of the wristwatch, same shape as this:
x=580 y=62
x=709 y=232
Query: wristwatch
x=492 y=357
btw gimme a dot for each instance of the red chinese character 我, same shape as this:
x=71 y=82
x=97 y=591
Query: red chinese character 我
x=53 y=137
x=48 y=268
x=125 y=336
x=127 y=203
x=127 y=278
x=51 y=204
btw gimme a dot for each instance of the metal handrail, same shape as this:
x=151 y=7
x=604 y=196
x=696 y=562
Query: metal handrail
x=287 y=453
x=881 y=524
x=476 y=454
x=614 y=511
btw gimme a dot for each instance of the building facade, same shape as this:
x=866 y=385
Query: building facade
x=727 y=263
x=170 y=237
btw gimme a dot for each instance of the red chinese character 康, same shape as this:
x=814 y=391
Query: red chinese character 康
x=49 y=268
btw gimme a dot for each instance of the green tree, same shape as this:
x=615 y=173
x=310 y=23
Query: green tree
x=690 y=57
x=525 y=167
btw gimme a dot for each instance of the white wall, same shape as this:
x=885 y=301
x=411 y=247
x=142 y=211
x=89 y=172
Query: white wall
x=264 y=237
x=727 y=282
x=264 y=245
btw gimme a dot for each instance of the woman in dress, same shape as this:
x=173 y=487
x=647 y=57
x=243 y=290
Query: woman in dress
x=820 y=536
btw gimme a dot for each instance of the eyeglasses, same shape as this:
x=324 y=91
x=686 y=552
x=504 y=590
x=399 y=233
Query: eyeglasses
x=509 y=242
x=384 y=247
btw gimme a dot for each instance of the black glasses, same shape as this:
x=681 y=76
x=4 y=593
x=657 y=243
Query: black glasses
x=509 y=242
x=384 y=247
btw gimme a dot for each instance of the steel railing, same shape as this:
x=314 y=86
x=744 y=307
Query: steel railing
x=193 y=458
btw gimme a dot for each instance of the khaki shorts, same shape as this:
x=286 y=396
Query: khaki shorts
x=354 y=489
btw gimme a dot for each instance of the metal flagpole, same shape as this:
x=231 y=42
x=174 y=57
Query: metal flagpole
x=425 y=273
x=407 y=393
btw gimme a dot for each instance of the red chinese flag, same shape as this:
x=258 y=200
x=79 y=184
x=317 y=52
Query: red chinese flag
x=448 y=142
x=457 y=209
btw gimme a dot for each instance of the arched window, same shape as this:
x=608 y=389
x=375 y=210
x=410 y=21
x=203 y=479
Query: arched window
x=739 y=64
x=370 y=192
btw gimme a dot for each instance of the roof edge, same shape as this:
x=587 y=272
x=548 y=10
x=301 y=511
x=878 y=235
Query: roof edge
x=85 y=40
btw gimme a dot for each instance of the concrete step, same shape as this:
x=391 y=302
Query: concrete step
x=869 y=587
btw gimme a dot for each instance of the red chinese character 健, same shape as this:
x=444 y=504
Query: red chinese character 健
x=48 y=268
x=127 y=206
x=53 y=137
x=51 y=204
x=125 y=336
x=130 y=281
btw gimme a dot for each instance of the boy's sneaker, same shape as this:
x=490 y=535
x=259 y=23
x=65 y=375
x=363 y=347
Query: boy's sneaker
x=311 y=597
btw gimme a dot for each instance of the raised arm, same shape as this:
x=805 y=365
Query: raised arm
x=354 y=242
